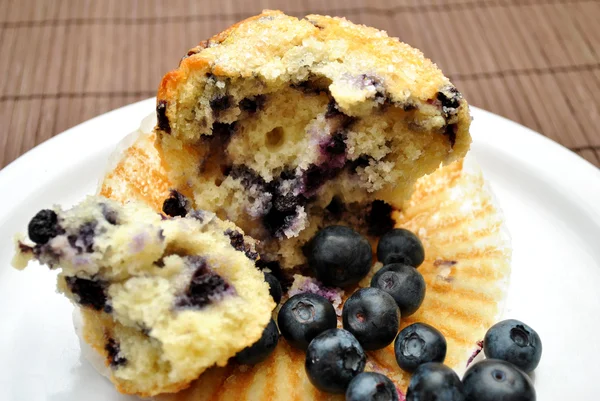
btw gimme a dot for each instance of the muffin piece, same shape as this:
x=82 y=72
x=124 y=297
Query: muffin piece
x=284 y=125
x=162 y=299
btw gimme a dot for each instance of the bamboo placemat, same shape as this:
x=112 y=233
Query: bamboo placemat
x=64 y=61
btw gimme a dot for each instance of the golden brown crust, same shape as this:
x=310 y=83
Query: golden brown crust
x=169 y=83
x=388 y=50
x=409 y=77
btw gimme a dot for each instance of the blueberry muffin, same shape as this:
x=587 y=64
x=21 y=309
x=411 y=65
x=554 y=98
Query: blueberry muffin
x=284 y=125
x=162 y=299
x=466 y=270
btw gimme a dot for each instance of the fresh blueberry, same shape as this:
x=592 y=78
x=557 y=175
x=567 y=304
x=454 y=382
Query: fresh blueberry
x=43 y=226
x=333 y=359
x=274 y=287
x=404 y=283
x=261 y=349
x=402 y=246
x=371 y=386
x=515 y=342
x=305 y=316
x=417 y=344
x=372 y=316
x=493 y=379
x=340 y=256
x=434 y=381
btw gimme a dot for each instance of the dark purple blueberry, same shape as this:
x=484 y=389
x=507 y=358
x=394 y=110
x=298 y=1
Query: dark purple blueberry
x=332 y=109
x=284 y=276
x=434 y=382
x=404 y=283
x=369 y=80
x=371 y=386
x=372 y=316
x=236 y=239
x=335 y=208
x=379 y=218
x=400 y=246
x=305 y=316
x=247 y=176
x=221 y=103
x=176 y=205
x=261 y=349
x=109 y=214
x=333 y=359
x=90 y=293
x=333 y=112
x=513 y=341
x=417 y=344
x=223 y=132
x=199 y=215
x=339 y=256
x=205 y=287
x=161 y=116
x=450 y=132
x=285 y=203
x=449 y=97
x=277 y=220
x=315 y=176
x=274 y=287
x=493 y=379
x=114 y=354
x=333 y=150
x=361 y=161
x=311 y=86
x=83 y=241
x=43 y=227
x=284 y=208
x=253 y=104
x=336 y=144
x=239 y=244
x=409 y=106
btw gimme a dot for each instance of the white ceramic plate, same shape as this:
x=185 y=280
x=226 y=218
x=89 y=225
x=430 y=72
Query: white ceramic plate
x=550 y=196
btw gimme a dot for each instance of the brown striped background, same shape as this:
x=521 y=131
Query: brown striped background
x=64 y=61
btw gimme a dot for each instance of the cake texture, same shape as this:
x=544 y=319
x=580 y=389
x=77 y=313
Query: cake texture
x=285 y=125
x=161 y=299
x=466 y=269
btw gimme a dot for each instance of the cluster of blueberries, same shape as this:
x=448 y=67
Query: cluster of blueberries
x=335 y=358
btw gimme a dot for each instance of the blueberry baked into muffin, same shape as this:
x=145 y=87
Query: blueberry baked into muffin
x=162 y=299
x=285 y=125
